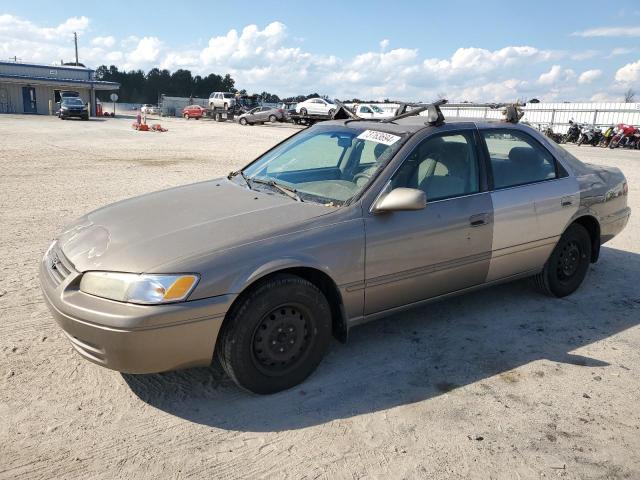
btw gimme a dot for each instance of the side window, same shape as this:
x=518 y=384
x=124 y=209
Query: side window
x=517 y=159
x=366 y=110
x=444 y=166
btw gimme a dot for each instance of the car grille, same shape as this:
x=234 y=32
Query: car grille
x=57 y=265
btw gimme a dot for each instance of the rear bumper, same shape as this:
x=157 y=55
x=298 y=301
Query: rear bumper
x=134 y=338
x=613 y=224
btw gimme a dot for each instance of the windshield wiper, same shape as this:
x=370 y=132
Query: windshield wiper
x=288 y=191
x=244 y=177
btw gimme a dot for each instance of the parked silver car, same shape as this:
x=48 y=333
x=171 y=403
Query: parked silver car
x=262 y=115
x=342 y=223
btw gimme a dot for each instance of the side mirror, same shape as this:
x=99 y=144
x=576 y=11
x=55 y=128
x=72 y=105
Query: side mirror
x=401 y=199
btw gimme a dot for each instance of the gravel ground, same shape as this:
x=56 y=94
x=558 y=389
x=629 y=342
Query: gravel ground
x=502 y=383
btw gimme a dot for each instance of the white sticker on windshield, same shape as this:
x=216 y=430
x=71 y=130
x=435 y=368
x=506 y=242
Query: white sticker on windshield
x=379 y=137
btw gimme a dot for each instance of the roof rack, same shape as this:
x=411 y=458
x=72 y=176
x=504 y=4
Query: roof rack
x=343 y=113
x=434 y=114
x=512 y=111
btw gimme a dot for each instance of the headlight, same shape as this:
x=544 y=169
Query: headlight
x=134 y=288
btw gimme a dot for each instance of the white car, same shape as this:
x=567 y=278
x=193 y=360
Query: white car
x=316 y=106
x=149 y=109
x=367 y=110
x=224 y=100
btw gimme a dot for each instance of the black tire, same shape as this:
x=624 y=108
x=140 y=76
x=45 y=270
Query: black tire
x=273 y=118
x=254 y=344
x=568 y=264
x=331 y=112
x=579 y=142
x=303 y=111
x=242 y=121
x=186 y=116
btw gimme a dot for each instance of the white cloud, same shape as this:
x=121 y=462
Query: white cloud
x=629 y=74
x=18 y=28
x=589 y=76
x=384 y=44
x=585 y=54
x=105 y=42
x=609 y=32
x=555 y=75
x=621 y=51
x=605 y=97
x=480 y=60
x=146 y=52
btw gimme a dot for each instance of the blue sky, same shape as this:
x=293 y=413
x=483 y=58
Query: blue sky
x=489 y=50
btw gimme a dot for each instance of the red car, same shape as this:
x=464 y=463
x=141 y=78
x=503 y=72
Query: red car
x=193 y=111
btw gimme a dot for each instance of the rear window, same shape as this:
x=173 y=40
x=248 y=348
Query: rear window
x=516 y=159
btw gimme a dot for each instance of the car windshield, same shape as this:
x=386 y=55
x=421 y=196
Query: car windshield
x=325 y=164
x=228 y=95
x=72 y=101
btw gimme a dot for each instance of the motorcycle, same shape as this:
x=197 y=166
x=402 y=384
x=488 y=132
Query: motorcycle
x=556 y=137
x=590 y=136
x=607 y=135
x=573 y=134
x=624 y=136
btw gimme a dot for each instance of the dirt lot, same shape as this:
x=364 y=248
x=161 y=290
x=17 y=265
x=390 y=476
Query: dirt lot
x=503 y=383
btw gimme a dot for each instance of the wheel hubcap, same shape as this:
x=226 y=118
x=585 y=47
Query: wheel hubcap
x=282 y=338
x=569 y=260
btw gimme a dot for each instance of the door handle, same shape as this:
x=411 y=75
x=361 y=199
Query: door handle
x=566 y=201
x=479 y=219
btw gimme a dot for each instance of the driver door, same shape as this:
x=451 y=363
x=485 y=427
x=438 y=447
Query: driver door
x=417 y=255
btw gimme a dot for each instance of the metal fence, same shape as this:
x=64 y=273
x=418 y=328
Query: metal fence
x=557 y=115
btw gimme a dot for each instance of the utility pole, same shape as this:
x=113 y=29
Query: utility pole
x=75 y=39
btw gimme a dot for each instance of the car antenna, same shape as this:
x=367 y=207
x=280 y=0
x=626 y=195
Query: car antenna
x=434 y=115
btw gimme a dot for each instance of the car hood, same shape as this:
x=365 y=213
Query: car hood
x=141 y=233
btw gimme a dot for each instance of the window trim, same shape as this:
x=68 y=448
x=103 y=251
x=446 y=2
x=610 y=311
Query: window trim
x=560 y=171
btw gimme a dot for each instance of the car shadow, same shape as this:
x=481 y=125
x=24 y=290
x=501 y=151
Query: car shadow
x=419 y=354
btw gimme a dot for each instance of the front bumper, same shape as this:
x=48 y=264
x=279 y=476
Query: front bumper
x=132 y=338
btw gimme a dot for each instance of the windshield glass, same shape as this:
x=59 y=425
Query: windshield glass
x=376 y=109
x=326 y=164
x=73 y=101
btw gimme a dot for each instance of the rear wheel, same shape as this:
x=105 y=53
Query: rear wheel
x=303 y=111
x=186 y=116
x=276 y=335
x=331 y=112
x=273 y=118
x=568 y=264
x=243 y=121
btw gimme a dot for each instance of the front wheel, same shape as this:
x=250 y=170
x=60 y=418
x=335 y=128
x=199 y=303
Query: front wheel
x=273 y=118
x=580 y=140
x=275 y=335
x=186 y=116
x=243 y=121
x=568 y=264
x=303 y=111
x=332 y=112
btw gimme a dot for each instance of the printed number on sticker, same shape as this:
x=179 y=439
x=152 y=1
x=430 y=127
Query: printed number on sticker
x=379 y=137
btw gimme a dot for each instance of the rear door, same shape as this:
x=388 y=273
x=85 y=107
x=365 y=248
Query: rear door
x=416 y=255
x=533 y=200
